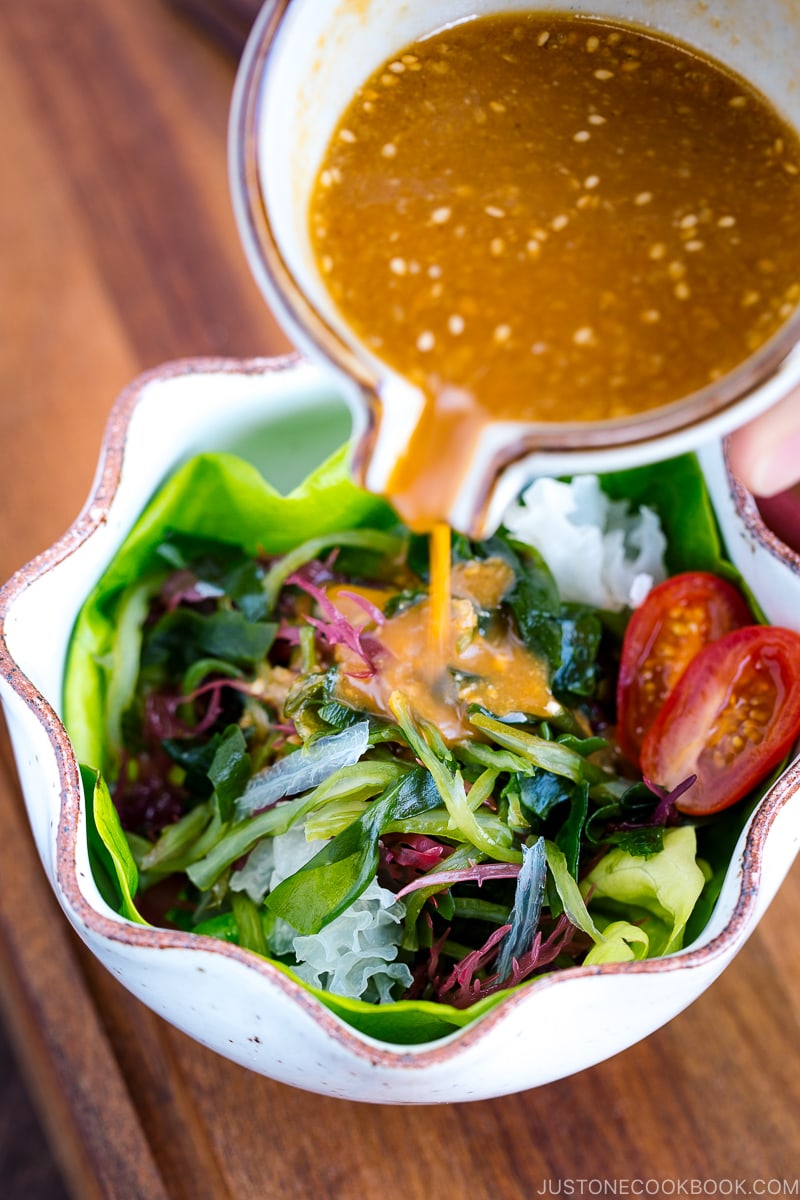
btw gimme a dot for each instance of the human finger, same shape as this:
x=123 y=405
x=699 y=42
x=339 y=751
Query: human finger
x=765 y=454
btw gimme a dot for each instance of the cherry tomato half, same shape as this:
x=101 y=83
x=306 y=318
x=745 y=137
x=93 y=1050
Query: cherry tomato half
x=677 y=619
x=730 y=719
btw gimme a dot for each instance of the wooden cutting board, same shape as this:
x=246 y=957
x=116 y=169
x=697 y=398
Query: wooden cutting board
x=119 y=251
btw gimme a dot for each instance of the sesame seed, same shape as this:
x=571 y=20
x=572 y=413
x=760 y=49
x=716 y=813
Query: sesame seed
x=694 y=245
x=584 y=336
x=750 y=298
x=688 y=222
x=497 y=246
x=543 y=38
x=682 y=291
x=592 y=44
x=657 y=251
x=497 y=106
x=539 y=348
x=533 y=247
x=479 y=116
x=455 y=324
x=389 y=150
x=491 y=210
x=596 y=119
x=388 y=80
x=437 y=290
x=502 y=333
x=368 y=106
x=326 y=179
x=347 y=135
x=426 y=341
x=327 y=263
x=398 y=266
x=791 y=169
x=582 y=135
x=591 y=181
x=397 y=67
x=737 y=101
x=409 y=58
x=643 y=198
x=434 y=271
x=631 y=65
x=440 y=215
x=650 y=316
x=603 y=74
x=560 y=222
x=413 y=268
x=785 y=310
x=676 y=270
x=726 y=222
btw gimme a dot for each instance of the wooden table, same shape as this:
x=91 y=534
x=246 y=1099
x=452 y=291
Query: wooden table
x=119 y=251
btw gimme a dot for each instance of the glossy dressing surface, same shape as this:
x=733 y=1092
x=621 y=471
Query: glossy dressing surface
x=551 y=218
x=479 y=659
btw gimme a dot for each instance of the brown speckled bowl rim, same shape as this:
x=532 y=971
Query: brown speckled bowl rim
x=93 y=515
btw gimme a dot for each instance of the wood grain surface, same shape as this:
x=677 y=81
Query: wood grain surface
x=118 y=251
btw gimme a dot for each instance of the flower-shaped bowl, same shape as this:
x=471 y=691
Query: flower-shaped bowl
x=283 y=415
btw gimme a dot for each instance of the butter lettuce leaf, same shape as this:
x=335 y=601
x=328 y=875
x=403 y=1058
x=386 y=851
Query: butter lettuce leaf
x=622 y=942
x=657 y=893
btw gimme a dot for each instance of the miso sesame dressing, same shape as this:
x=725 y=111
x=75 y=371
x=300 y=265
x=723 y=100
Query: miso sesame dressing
x=480 y=659
x=549 y=218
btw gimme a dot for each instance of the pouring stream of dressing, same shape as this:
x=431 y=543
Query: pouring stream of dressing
x=568 y=219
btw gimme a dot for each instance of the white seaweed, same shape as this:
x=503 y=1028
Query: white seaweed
x=599 y=551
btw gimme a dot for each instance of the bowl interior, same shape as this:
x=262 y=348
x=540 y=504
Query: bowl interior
x=285 y=422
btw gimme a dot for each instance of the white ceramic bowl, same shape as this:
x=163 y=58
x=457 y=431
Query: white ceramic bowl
x=283 y=415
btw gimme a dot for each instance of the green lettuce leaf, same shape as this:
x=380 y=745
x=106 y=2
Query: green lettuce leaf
x=622 y=942
x=658 y=893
